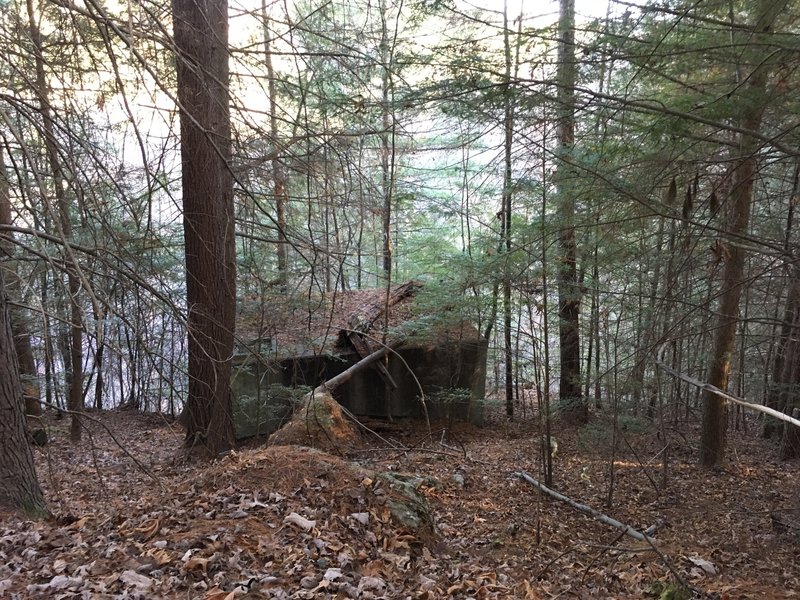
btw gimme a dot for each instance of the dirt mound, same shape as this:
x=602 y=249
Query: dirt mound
x=275 y=522
x=319 y=423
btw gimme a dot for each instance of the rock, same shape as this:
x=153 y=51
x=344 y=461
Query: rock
x=408 y=507
x=371 y=584
x=309 y=582
x=39 y=437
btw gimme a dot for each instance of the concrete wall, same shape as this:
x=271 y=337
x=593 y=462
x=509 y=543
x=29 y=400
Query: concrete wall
x=452 y=377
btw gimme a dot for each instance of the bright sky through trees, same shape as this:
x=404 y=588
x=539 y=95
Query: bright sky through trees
x=548 y=11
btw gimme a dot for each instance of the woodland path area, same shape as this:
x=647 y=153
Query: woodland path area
x=290 y=522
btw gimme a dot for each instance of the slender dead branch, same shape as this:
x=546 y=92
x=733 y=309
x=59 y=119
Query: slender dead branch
x=345 y=375
x=715 y=390
x=626 y=529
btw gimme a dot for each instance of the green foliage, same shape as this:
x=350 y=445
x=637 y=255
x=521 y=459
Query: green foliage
x=594 y=437
x=633 y=424
x=669 y=591
x=444 y=399
x=261 y=414
x=659 y=100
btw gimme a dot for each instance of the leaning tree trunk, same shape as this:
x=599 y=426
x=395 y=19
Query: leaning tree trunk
x=201 y=41
x=712 y=448
x=19 y=488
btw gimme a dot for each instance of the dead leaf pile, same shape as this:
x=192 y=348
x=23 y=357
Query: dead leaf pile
x=292 y=522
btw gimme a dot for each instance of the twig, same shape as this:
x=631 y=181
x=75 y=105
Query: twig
x=93 y=446
x=347 y=413
x=642 y=467
x=453 y=448
x=603 y=550
x=626 y=529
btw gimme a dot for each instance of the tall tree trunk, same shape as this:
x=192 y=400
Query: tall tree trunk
x=22 y=339
x=201 y=41
x=574 y=405
x=98 y=365
x=785 y=382
x=387 y=172
x=278 y=174
x=64 y=223
x=545 y=312
x=712 y=447
x=777 y=346
x=19 y=488
x=387 y=143
x=508 y=126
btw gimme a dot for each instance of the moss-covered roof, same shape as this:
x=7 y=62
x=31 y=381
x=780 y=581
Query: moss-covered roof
x=282 y=326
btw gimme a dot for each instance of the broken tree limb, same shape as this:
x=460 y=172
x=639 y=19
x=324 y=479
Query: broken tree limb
x=363 y=317
x=622 y=527
x=320 y=420
x=626 y=529
x=715 y=390
x=345 y=375
x=362 y=348
x=391 y=347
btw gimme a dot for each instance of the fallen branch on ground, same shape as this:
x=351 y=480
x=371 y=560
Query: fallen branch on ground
x=625 y=529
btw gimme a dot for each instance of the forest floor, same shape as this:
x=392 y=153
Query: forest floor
x=134 y=520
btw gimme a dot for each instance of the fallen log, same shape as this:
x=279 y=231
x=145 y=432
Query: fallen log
x=721 y=393
x=626 y=529
x=359 y=342
x=345 y=375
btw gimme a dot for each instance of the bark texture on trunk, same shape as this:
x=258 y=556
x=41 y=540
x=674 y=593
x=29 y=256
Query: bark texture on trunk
x=201 y=39
x=19 y=488
x=785 y=385
x=22 y=339
x=573 y=404
x=712 y=447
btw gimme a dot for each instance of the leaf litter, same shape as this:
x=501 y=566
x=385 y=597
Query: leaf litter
x=293 y=522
